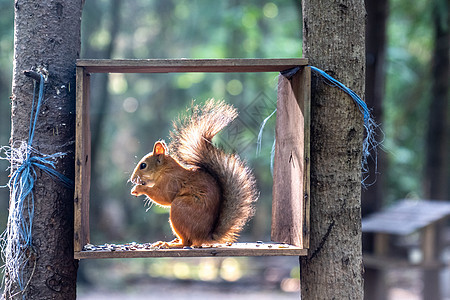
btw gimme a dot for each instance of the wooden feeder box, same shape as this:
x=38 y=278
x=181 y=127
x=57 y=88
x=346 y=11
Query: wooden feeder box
x=290 y=204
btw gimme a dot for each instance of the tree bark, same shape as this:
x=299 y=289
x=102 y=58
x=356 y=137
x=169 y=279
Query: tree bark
x=47 y=35
x=333 y=40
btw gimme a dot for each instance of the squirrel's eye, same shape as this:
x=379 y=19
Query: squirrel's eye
x=142 y=166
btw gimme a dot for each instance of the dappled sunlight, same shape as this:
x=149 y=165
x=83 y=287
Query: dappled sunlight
x=208 y=270
x=230 y=269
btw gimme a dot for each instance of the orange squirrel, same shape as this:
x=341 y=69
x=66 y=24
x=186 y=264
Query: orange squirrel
x=210 y=193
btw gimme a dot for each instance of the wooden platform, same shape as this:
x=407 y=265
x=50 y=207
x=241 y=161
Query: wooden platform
x=134 y=250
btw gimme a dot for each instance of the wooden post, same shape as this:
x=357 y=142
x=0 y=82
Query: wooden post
x=82 y=162
x=381 y=244
x=430 y=249
x=291 y=180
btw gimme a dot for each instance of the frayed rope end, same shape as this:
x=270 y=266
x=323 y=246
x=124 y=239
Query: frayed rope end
x=370 y=143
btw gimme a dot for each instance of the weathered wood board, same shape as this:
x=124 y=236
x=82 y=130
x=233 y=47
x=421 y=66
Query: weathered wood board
x=82 y=161
x=235 y=249
x=290 y=204
x=189 y=65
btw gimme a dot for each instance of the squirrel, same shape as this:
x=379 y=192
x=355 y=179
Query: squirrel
x=211 y=193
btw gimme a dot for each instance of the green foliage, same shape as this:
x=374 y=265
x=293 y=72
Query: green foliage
x=6 y=57
x=141 y=106
x=410 y=42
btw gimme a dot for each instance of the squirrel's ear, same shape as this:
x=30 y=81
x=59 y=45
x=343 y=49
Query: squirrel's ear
x=159 y=148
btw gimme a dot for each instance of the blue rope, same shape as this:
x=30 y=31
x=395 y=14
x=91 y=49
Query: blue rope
x=16 y=240
x=361 y=104
x=370 y=143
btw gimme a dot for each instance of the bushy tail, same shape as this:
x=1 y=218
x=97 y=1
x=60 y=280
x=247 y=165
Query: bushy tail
x=191 y=145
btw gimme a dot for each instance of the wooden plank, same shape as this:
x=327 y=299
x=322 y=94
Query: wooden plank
x=189 y=65
x=236 y=249
x=288 y=207
x=82 y=161
x=305 y=91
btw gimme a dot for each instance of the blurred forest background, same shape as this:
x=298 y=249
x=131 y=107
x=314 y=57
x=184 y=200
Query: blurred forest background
x=130 y=112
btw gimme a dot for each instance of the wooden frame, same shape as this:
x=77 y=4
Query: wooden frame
x=290 y=205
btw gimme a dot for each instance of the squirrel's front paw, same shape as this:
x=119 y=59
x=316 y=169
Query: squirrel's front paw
x=137 y=190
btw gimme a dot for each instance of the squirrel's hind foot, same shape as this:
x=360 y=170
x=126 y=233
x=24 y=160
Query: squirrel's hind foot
x=176 y=243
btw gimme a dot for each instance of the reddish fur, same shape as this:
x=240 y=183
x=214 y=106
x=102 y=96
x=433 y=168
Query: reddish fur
x=204 y=208
x=193 y=196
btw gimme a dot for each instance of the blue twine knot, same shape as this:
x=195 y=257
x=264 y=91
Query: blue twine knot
x=16 y=240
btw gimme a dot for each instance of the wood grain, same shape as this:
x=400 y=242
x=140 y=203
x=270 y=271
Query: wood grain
x=188 y=65
x=305 y=92
x=291 y=182
x=236 y=249
x=82 y=161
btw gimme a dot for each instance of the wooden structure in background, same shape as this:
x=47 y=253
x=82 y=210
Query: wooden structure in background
x=290 y=205
x=394 y=245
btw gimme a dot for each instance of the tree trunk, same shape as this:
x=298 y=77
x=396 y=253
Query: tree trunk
x=436 y=164
x=372 y=196
x=377 y=14
x=101 y=106
x=333 y=40
x=47 y=35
